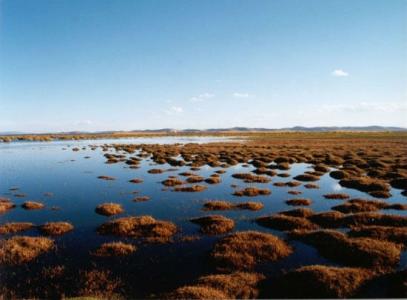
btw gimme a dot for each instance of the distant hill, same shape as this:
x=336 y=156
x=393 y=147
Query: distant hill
x=235 y=129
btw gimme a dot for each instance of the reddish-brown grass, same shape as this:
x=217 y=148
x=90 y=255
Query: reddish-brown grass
x=243 y=250
x=214 y=224
x=15 y=227
x=109 y=209
x=56 y=228
x=22 y=249
x=114 y=249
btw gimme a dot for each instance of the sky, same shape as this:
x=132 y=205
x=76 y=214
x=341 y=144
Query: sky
x=93 y=65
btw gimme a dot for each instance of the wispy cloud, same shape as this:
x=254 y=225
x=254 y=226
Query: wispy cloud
x=174 y=110
x=242 y=95
x=366 y=107
x=339 y=73
x=201 y=97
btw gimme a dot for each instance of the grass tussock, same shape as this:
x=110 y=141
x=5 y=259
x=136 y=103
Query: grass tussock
x=360 y=205
x=388 y=233
x=22 y=249
x=319 y=281
x=141 y=199
x=192 y=188
x=337 y=196
x=252 y=192
x=196 y=292
x=243 y=250
x=144 y=227
x=213 y=180
x=105 y=177
x=372 y=218
x=172 y=182
x=5 y=205
x=136 y=180
x=361 y=252
x=299 y=202
x=114 y=249
x=225 y=205
x=56 y=228
x=109 y=209
x=250 y=178
x=31 y=205
x=298 y=212
x=311 y=186
x=14 y=227
x=285 y=222
x=214 y=224
x=306 y=177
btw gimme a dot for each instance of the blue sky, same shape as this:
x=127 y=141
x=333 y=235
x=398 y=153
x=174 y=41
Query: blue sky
x=123 y=65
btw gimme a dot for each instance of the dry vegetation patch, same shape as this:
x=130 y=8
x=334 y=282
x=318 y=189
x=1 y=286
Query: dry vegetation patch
x=337 y=196
x=192 y=188
x=5 y=205
x=299 y=202
x=243 y=250
x=145 y=227
x=252 y=191
x=388 y=233
x=109 y=209
x=214 y=224
x=318 y=281
x=363 y=252
x=22 y=249
x=56 y=228
x=30 y=205
x=15 y=227
x=114 y=249
x=285 y=222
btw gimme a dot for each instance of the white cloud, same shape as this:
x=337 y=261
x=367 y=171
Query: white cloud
x=174 y=110
x=339 y=73
x=242 y=95
x=366 y=107
x=201 y=97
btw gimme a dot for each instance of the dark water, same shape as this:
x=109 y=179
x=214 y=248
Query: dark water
x=38 y=168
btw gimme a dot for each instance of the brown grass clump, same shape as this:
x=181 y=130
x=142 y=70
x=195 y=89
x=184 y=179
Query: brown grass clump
x=360 y=205
x=371 y=218
x=243 y=250
x=293 y=183
x=284 y=222
x=5 y=205
x=298 y=212
x=388 y=233
x=328 y=219
x=252 y=191
x=155 y=171
x=196 y=292
x=249 y=177
x=337 y=196
x=311 y=186
x=214 y=224
x=104 y=177
x=145 y=227
x=318 y=281
x=141 y=199
x=15 y=227
x=193 y=188
x=136 y=180
x=250 y=205
x=195 y=179
x=218 y=205
x=364 y=252
x=56 y=228
x=109 y=209
x=172 y=182
x=114 y=249
x=294 y=192
x=237 y=285
x=365 y=184
x=21 y=249
x=299 y=202
x=213 y=180
x=32 y=205
x=306 y=177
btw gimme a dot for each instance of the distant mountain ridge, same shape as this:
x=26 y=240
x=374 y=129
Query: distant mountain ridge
x=372 y=128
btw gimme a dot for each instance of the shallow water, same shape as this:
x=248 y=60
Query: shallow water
x=37 y=168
